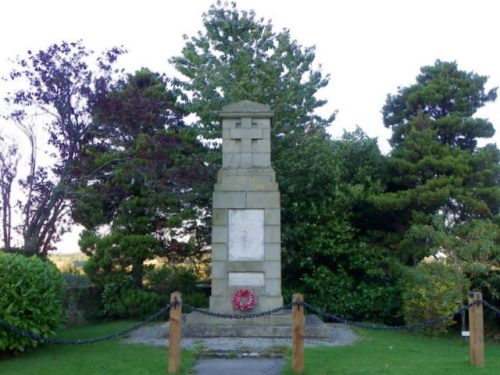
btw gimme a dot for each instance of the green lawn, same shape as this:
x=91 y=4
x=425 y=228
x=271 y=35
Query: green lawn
x=375 y=353
x=398 y=353
x=107 y=358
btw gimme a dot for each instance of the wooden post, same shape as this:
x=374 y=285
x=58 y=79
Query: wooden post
x=174 y=338
x=298 y=334
x=476 y=339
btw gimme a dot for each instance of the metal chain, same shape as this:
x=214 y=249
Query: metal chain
x=412 y=326
x=492 y=308
x=317 y=310
x=237 y=315
x=57 y=341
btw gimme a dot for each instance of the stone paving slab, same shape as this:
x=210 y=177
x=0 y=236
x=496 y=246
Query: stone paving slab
x=241 y=366
x=156 y=334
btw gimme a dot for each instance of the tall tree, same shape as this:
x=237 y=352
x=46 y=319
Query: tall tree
x=59 y=89
x=326 y=218
x=324 y=184
x=149 y=184
x=448 y=98
x=238 y=56
x=435 y=167
x=9 y=159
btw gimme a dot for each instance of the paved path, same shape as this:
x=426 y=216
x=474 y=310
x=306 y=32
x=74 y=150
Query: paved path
x=156 y=334
x=241 y=366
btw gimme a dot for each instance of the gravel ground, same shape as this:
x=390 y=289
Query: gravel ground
x=157 y=335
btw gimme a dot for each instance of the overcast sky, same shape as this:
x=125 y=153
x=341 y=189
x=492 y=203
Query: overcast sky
x=368 y=47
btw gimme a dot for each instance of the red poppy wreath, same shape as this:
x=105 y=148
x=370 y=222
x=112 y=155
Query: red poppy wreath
x=243 y=300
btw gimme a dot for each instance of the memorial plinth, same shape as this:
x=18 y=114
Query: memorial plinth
x=246 y=241
x=246 y=232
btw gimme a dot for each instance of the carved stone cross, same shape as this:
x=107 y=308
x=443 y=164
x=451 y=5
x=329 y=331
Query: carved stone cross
x=246 y=137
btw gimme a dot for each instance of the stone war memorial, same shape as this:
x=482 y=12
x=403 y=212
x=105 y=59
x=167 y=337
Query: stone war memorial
x=246 y=233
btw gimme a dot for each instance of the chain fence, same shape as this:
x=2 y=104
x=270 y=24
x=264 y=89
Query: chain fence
x=492 y=308
x=412 y=326
x=58 y=341
x=237 y=315
x=336 y=318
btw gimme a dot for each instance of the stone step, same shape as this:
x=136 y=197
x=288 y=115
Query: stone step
x=279 y=325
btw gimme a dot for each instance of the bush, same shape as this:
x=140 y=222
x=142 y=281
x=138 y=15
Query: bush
x=432 y=290
x=124 y=301
x=336 y=291
x=165 y=280
x=30 y=298
x=168 y=279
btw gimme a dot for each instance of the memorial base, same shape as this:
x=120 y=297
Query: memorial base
x=196 y=324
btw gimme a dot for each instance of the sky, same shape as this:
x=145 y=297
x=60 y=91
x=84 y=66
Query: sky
x=369 y=48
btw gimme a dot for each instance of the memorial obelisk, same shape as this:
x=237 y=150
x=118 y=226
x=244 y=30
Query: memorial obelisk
x=246 y=241
x=246 y=233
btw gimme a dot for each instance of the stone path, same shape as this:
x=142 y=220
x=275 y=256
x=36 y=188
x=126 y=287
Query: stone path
x=241 y=366
x=249 y=348
x=157 y=335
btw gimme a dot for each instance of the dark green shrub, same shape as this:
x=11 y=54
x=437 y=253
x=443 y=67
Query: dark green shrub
x=198 y=299
x=372 y=299
x=165 y=280
x=30 y=298
x=125 y=301
x=432 y=290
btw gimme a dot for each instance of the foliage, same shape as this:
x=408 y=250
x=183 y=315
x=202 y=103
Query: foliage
x=325 y=222
x=323 y=184
x=447 y=96
x=436 y=167
x=117 y=257
x=124 y=301
x=59 y=87
x=475 y=247
x=30 y=299
x=238 y=56
x=431 y=290
x=150 y=191
x=9 y=160
x=470 y=249
x=166 y=279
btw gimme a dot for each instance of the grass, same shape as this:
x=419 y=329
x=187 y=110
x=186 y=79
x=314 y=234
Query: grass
x=376 y=352
x=107 y=358
x=402 y=353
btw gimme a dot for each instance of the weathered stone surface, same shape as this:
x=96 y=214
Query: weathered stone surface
x=245 y=266
x=272 y=216
x=278 y=325
x=219 y=234
x=219 y=216
x=261 y=159
x=246 y=217
x=245 y=133
x=219 y=287
x=272 y=269
x=219 y=269
x=246 y=279
x=272 y=234
x=219 y=251
x=263 y=199
x=273 y=287
x=246 y=235
x=246 y=108
x=273 y=251
x=230 y=199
